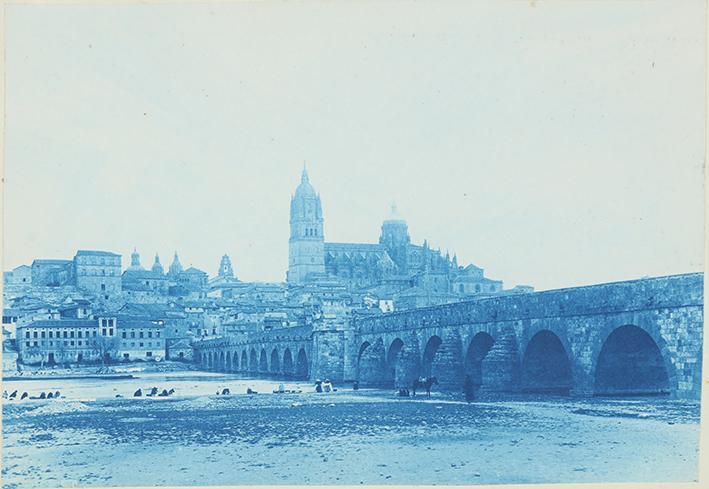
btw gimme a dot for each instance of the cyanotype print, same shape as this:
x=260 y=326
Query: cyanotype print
x=352 y=243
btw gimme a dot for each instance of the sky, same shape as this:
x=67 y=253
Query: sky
x=551 y=143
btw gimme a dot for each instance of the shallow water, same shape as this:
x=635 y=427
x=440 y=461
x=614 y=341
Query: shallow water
x=370 y=437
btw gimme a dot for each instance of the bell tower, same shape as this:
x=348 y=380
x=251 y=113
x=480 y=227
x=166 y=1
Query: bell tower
x=306 y=246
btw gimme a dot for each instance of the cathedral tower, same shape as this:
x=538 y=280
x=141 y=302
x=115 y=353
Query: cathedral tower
x=306 y=246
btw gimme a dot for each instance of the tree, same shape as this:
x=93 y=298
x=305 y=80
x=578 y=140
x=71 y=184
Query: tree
x=106 y=347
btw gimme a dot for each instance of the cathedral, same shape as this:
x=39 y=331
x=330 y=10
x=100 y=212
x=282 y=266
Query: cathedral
x=414 y=275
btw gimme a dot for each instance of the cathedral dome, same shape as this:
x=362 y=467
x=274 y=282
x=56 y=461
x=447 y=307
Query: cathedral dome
x=305 y=189
x=393 y=215
x=305 y=203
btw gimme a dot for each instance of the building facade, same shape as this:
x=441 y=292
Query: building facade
x=98 y=272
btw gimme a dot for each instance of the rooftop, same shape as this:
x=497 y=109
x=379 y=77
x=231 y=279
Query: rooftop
x=96 y=253
x=61 y=323
x=50 y=261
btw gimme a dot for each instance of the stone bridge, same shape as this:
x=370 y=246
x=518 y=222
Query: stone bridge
x=639 y=337
x=276 y=353
x=625 y=338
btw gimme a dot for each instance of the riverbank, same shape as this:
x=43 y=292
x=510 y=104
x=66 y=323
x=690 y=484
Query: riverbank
x=347 y=437
x=97 y=371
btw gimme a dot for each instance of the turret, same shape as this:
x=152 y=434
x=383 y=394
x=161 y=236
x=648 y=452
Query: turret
x=135 y=260
x=225 y=268
x=157 y=266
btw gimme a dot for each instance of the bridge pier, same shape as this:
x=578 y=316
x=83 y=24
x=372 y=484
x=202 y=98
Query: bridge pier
x=407 y=366
x=447 y=365
x=500 y=367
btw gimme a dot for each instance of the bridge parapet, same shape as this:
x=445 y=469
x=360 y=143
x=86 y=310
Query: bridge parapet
x=634 y=295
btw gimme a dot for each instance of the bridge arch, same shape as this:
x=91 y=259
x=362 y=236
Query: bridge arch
x=288 y=367
x=631 y=362
x=275 y=362
x=372 y=362
x=476 y=352
x=393 y=366
x=429 y=353
x=263 y=361
x=253 y=360
x=546 y=367
x=244 y=361
x=301 y=366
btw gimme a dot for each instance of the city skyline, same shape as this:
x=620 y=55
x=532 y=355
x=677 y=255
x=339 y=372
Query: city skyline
x=551 y=178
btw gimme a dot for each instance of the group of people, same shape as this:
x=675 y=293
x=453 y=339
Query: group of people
x=25 y=395
x=282 y=390
x=154 y=392
x=324 y=386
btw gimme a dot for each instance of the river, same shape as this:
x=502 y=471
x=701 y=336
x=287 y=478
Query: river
x=90 y=437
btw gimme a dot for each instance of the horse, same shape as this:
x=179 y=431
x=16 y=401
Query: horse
x=426 y=383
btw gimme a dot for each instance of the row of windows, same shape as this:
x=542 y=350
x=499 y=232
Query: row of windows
x=311 y=232
x=65 y=334
x=108 y=260
x=108 y=322
x=147 y=354
x=93 y=271
x=142 y=344
x=140 y=334
x=30 y=344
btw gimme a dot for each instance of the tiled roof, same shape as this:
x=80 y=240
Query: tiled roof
x=136 y=324
x=194 y=270
x=354 y=247
x=138 y=274
x=96 y=253
x=61 y=323
x=153 y=311
x=50 y=261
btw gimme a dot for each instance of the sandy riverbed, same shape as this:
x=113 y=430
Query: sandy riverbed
x=347 y=437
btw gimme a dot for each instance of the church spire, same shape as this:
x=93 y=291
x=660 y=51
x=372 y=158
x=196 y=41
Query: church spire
x=176 y=266
x=304 y=175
